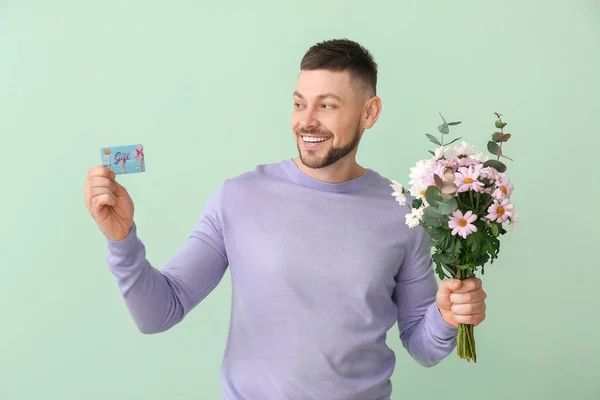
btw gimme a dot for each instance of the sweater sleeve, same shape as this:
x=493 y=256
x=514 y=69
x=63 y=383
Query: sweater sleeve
x=426 y=336
x=159 y=299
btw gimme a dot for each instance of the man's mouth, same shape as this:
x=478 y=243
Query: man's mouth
x=314 y=139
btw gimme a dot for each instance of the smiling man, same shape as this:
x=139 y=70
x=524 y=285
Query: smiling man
x=322 y=264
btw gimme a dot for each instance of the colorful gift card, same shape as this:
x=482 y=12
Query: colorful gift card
x=124 y=159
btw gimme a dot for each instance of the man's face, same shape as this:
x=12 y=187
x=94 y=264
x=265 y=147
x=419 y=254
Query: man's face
x=327 y=117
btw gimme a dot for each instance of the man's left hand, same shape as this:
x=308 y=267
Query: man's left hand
x=461 y=301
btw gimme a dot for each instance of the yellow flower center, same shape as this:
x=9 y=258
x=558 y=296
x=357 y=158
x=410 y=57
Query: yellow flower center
x=462 y=222
x=500 y=210
x=422 y=193
x=503 y=189
x=469 y=180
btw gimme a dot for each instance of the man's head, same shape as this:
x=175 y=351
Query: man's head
x=334 y=101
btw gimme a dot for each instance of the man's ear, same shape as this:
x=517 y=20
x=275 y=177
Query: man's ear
x=371 y=112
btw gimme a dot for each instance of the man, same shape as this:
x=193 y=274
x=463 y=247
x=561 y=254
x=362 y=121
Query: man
x=322 y=263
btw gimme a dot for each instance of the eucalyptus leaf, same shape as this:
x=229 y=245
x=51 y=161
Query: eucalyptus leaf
x=431 y=212
x=454 y=123
x=496 y=136
x=494 y=148
x=449 y=143
x=433 y=139
x=432 y=221
x=447 y=207
x=416 y=203
x=433 y=195
x=432 y=153
x=444 y=129
x=500 y=124
x=449 y=188
x=497 y=165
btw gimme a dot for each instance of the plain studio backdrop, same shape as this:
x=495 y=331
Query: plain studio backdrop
x=207 y=88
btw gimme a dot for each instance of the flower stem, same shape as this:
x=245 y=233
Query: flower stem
x=465 y=344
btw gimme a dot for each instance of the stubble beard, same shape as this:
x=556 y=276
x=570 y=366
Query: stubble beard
x=333 y=155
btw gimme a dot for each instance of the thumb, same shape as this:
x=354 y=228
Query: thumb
x=119 y=189
x=447 y=287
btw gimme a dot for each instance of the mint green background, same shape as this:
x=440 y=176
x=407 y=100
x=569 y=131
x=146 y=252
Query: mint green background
x=207 y=89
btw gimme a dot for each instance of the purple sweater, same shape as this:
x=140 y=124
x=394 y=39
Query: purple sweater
x=320 y=272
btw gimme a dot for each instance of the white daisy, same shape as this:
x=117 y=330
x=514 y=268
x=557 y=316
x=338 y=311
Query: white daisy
x=414 y=217
x=461 y=149
x=398 y=192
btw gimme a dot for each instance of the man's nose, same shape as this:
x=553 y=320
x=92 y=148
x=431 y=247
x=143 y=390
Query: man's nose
x=308 y=120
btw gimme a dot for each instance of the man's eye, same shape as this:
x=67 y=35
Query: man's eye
x=329 y=106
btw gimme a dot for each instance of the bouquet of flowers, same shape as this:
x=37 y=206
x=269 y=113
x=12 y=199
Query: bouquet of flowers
x=463 y=200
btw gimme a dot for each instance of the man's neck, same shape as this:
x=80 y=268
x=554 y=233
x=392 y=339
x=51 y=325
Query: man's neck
x=337 y=173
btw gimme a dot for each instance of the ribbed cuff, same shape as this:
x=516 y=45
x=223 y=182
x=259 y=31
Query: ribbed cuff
x=438 y=325
x=126 y=248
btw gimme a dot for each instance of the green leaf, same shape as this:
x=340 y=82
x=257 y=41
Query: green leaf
x=458 y=245
x=438 y=235
x=432 y=221
x=433 y=195
x=494 y=229
x=481 y=259
x=454 y=123
x=500 y=124
x=447 y=207
x=431 y=217
x=496 y=136
x=432 y=153
x=494 y=148
x=443 y=128
x=433 y=139
x=443 y=119
x=499 y=166
x=443 y=258
x=431 y=212
x=449 y=143
x=416 y=203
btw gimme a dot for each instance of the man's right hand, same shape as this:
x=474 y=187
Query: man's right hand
x=109 y=203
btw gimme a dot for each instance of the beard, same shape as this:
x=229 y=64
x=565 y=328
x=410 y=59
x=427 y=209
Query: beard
x=333 y=155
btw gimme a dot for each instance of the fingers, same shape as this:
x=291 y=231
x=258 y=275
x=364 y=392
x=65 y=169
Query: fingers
x=101 y=171
x=470 y=297
x=101 y=200
x=469 y=308
x=100 y=188
x=469 y=285
x=447 y=286
x=474 y=319
x=101 y=182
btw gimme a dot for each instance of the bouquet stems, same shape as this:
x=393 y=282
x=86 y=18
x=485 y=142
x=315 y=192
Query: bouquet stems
x=465 y=341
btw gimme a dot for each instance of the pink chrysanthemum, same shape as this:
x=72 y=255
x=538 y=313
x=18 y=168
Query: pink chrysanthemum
x=500 y=211
x=504 y=188
x=462 y=224
x=467 y=178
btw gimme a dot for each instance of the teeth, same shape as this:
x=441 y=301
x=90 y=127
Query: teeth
x=313 y=139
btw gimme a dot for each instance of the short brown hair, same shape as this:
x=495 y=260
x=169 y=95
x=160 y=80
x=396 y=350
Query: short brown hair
x=343 y=55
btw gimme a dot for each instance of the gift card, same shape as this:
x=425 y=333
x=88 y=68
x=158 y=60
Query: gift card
x=124 y=159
